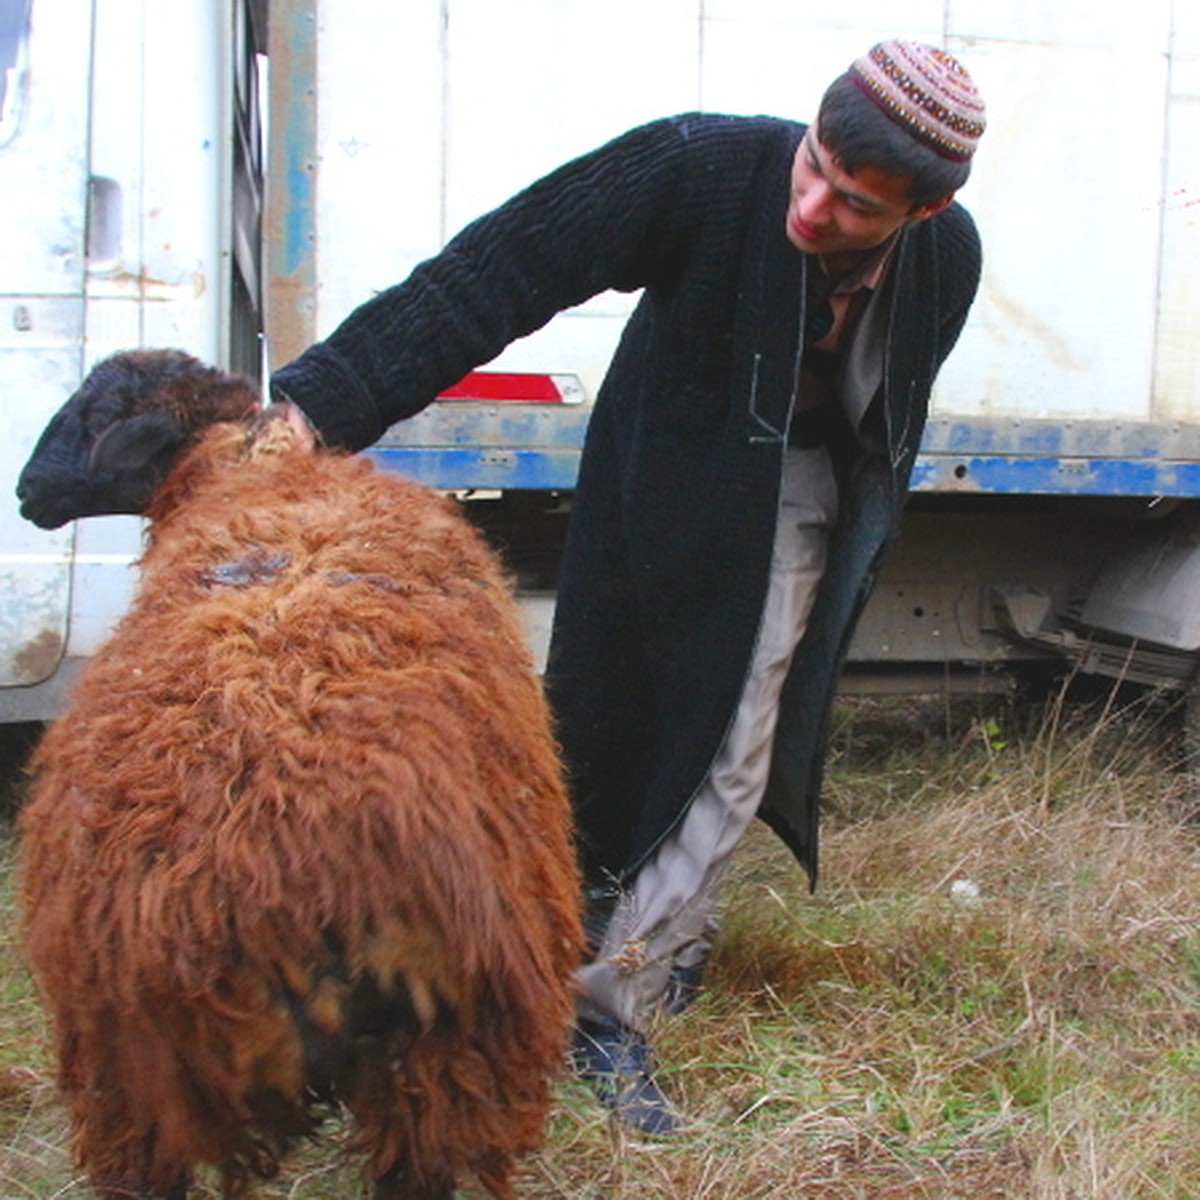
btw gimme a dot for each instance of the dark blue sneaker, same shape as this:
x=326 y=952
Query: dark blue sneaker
x=615 y=1062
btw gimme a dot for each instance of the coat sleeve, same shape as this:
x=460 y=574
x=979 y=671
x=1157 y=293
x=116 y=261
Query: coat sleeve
x=610 y=219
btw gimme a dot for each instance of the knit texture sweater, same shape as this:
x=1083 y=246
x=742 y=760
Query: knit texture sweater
x=665 y=571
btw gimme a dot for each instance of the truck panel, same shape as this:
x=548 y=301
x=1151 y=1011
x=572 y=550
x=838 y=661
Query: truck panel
x=1082 y=188
x=43 y=191
x=130 y=194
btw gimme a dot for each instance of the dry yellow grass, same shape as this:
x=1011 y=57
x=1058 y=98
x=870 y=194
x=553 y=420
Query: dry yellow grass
x=995 y=991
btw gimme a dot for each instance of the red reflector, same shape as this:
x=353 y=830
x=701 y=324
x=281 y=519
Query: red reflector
x=510 y=385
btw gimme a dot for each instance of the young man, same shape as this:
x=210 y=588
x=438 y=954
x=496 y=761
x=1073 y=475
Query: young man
x=746 y=460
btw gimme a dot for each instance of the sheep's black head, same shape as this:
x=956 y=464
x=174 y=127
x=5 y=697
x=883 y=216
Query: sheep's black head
x=111 y=444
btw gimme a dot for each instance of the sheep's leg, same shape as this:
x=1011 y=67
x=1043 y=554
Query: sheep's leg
x=175 y=1192
x=399 y=1184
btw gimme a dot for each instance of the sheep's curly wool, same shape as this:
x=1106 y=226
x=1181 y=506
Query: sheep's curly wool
x=302 y=834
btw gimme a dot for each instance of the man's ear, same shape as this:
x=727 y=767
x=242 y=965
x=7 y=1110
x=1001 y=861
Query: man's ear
x=934 y=206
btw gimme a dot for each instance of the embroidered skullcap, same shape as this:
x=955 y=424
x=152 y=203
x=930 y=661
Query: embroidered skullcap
x=927 y=92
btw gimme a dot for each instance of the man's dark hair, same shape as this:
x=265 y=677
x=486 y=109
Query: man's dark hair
x=858 y=133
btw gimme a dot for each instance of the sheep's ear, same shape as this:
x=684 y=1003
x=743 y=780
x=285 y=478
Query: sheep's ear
x=134 y=443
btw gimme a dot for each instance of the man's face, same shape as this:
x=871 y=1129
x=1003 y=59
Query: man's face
x=832 y=211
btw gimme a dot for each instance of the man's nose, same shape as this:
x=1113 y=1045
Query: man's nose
x=816 y=202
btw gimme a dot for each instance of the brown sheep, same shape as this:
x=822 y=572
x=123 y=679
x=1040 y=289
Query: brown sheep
x=301 y=838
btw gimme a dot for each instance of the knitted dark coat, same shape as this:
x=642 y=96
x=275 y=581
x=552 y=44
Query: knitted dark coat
x=665 y=571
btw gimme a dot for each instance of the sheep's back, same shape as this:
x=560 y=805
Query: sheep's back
x=316 y=745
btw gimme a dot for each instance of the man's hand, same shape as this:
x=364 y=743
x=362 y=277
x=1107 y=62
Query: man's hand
x=306 y=435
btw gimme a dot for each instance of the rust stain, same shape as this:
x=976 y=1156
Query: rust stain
x=151 y=288
x=37 y=659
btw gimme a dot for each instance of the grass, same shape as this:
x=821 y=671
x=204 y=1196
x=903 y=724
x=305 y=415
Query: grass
x=995 y=992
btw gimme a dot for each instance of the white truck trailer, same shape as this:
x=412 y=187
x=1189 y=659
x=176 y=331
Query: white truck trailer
x=1055 y=516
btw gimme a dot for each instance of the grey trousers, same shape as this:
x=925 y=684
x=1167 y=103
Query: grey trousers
x=665 y=918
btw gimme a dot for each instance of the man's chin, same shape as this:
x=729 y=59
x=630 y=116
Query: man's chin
x=809 y=243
